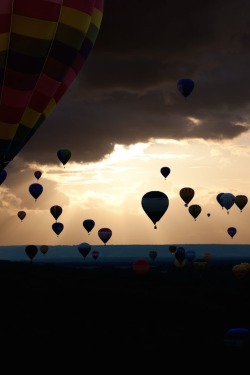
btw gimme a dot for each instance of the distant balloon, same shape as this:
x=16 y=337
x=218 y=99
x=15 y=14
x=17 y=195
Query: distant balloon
x=56 y=211
x=155 y=204
x=227 y=200
x=95 y=254
x=44 y=249
x=57 y=227
x=180 y=254
x=84 y=249
x=21 y=215
x=88 y=224
x=3 y=175
x=35 y=190
x=208 y=214
x=241 y=201
x=232 y=231
x=219 y=200
x=190 y=255
x=152 y=254
x=37 y=174
x=141 y=266
x=241 y=270
x=31 y=251
x=187 y=195
x=172 y=248
x=104 y=234
x=185 y=86
x=64 y=155
x=165 y=171
x=194 y=210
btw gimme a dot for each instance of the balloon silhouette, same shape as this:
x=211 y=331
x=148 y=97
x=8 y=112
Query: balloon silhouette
x=241 y=201
x=165 y=171
x=104 y=234
x=35 y=190
x=194 y=210
x=84 y=249
x=31 y=251
x=57 y=227
x=88 y=224
x=37 y=174
x=152 y=254
x=155 y=204
x=3 y=175
x=95 y=254
x=44 y=45
x=180 y=254
x=185 y=86
x=64 y=155
x=172 y=249
x=227 y=200
x=56 y=211
x=219 y=200
x=232 y=231
x=44 y=249
x=187 y=195
x=21 y=215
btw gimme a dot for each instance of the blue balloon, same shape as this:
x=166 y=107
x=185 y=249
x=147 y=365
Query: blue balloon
x=185 y=86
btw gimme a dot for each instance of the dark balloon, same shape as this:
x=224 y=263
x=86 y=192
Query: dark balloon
x=44 y=249
x=56 y=211
x=84 y=249
x=57 y=227
x=31 y=251
x=190 y=255
x=185 y=86
x=187 y=195
x=165 y=171
x=21 y=215
x=3 y=175
x=172 y=248
x=37 y=174
x=219 y=200
x=232 y=231
x=64 y=155
x=194 y=210
x=88 y=224
x=152 y=254
x=104 y=234
x=35 y=190
x=227 y=200
x=180 y=254
x=141 y=266
x=241 y=201
x=44 y=45
x=155 y=204
x=95 y=254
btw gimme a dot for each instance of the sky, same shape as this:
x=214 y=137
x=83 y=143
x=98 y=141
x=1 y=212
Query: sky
x=123 y=119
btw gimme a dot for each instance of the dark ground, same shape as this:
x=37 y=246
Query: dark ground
x=176 y=317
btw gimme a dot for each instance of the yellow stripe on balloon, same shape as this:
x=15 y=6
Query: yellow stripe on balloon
x=4 y=41
x=30 y=117
x=7 y=131
x=34 y=28
x=76 y=19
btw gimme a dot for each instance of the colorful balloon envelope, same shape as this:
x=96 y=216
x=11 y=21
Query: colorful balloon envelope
x=35 y=190
x=187 y=195
x=165 y=171
x=57 y=228
x=232 y=231
x=194 y=210
x=88 y=224
x=104 y=234
x=185 y=86
x=155 y=204
x=44 y=45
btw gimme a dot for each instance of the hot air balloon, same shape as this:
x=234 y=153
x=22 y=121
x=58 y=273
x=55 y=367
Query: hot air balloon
x=56 y=211
x=3 y=175
x=165 y=171
x=232 y=231
x=21 y=215
x=152 y=254
x=187 y=195
x=141 y=266
x=84 y=249
x=44 y=249
x=57 y=227
x=64 y=155
x=88 y=224
x=190 y=255
x=35 y=190
x=37 y=174
x=227 y=200
x=180 y=254
x=219 y=200
x=185 y=86
x=241 y=201
x=44 y=45
x=95 y=254
x=31 y=251
x=155 y=204
x=194 y=210
x=104 y=234
x=172 y=248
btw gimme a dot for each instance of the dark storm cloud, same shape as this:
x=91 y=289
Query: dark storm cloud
x=127 y=93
